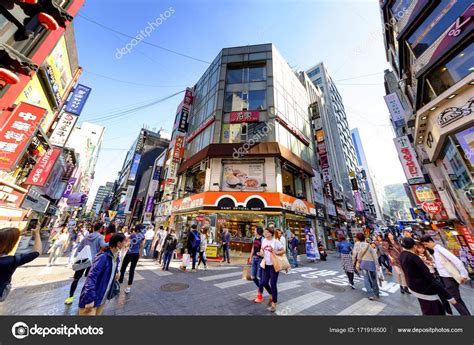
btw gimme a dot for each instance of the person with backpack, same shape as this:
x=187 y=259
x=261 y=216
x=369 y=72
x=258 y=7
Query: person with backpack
x=96 y=242
x=136 y=241
x=9 y=238
x=344 y=248
x=99 y=282
x=171 y=242
x=193 y=245
x=202 y=249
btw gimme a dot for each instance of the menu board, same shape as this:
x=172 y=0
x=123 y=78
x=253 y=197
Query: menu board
x=242 y=177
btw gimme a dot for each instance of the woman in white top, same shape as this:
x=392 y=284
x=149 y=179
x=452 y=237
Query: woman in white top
x=203 y=247
x=60 y=243
x=270 y=246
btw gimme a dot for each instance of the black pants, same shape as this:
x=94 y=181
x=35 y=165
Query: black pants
x=452 y=286
x=350 y=275
x=431 y=307
x=131 y=258
x=385 y=261
x=156 y=252
x=202 y=258
x=78 y=275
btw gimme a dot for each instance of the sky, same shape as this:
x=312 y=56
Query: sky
x=346 y=35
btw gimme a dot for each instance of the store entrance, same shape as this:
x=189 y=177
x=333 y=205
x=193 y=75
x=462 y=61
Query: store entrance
x=297 y=226
x=241 y=227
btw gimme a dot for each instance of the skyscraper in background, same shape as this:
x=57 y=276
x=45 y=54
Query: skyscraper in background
x=102 y=193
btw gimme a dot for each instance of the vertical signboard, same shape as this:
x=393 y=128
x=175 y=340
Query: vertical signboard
x=407 y=156
x=184 y=115
x=69 y=187
x=63 y=129
x=58 y=71
x=128 y=198
x=78 y=99
x=42 y=169
x=395 y=108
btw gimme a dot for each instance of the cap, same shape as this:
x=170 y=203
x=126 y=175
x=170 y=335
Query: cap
x=407 y=243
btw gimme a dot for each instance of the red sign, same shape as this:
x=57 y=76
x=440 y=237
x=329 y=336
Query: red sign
x=17 y=132
x=188 y=97
x=464 y=231
x=431 y=207
x=40 y=173
x=178 y=150
x=244 y=116
x=199 y=218
x=221 y=221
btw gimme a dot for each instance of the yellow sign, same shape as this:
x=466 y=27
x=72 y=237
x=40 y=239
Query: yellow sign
x=231 y=133
x=319 y=135
x=58 y=70
x=352 y=174
x=34 y=94
x=211 y=251
x=112 y=214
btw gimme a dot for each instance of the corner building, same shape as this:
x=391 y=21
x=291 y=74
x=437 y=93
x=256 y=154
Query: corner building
x=249 y=153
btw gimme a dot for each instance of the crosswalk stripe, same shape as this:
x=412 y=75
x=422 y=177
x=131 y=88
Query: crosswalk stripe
x=298 y=304
x=220 y=276
x=281 y=287
x=232 y=283
x=161 y=273
x=364 y=307
x=221 y=268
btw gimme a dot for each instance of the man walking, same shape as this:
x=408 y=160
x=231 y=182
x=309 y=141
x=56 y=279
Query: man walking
x=194 y=244
x=451 y=270
x=149 y=235
x=225 y=239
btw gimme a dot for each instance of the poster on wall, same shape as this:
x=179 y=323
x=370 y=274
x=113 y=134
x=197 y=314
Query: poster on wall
x=134 y=168
x=231 y=133
x=407 y=157
x=245 y=177
x=312 y=252
x=466 y=140
x=58 y=71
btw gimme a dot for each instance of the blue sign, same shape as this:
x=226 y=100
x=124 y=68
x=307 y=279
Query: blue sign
x=134 y=168
x=78 y=99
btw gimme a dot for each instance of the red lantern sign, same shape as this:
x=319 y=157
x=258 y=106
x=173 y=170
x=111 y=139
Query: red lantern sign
x=431 y=207
x=48 y=21
x=8 y=77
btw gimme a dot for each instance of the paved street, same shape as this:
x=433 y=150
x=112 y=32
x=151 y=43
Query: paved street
x=312 y=289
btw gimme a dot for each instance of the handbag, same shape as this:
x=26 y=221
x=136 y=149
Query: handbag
x=185 y=261
x=280 y=262
x=357 y=264
x=114 y=289
x=83 y=260
x=246 y=274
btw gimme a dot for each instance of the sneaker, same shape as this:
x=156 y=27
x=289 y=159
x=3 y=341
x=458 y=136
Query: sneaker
x=352 y=287
x=205 y=268
x=69 y=300
x=193 y=270
x=259 y=298
x=127 y=290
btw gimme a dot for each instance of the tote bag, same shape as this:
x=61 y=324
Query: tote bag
x=83 y=260
x=280 y=262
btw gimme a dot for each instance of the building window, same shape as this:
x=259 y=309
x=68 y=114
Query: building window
x=444 y=15
x=448 y=74
x=293 y=183
x=245 y=100
x=246 y=74
x=319 y=81
x=314 y=72
x=399 y=7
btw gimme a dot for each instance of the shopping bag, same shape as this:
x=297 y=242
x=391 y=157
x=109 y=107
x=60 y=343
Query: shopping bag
x=246 y=274
x=83 y=260
x=185 y=261
x=380 y=276
x=280 y=262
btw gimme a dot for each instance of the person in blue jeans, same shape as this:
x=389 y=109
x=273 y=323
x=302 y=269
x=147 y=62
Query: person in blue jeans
x=194 y=244
x=366 y=256
x=168 y=248
x=132 y=257
x=255 y=259
x=294 y=249
x=225 y=239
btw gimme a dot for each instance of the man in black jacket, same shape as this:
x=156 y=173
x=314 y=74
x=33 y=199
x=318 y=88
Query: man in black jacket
x=422 y=284
x=193 y=245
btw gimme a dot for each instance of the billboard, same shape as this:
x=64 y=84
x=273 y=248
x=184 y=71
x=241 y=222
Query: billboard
x=63 y=129
x=466 y=140
x=42 y=169
x=58 y=71
x=34 y=94
x=17 y=133
x=69 y=187
x=78 y=99
x=134 y=168
x=242 y=177
x=395 y=108
x=407 y=157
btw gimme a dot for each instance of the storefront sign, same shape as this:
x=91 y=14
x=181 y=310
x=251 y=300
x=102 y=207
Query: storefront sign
x=407 y=157
x=466 y=140
x=297 y=206
x=199 y=218
x=431 y=207
x=9 y=196
x=358 y=200
x=17 y=133
x=78 y=99
x=328 y=190
x=243 y=177
x=163 y=209
x=128 y=198
x=354 y=184
x=424 y=192
x=464 y=231
x=40 y=173
x=293 y=130
x=211 y=251
x=231 y=133
x=134 y=167
x=58 y=71
x=77 y=199
x=244 y=116
x=188 y=203
x=69 y=187
x=63 y=129
x=149 y=204
x=395 y=108
x=452 y=114
x=320 y=135
x=35 y=202
x=34 y=94
x=178 y=150
x=209 y=121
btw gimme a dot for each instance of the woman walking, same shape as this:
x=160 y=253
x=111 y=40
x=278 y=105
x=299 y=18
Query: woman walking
x=382 y=253
x=202 y=248
x=255 y=259
x=365 y=257
x=394 y=249
x=60 y=243
x=132 y=257
x=344 y=248
x=171 y=242
x=293 y=248
x=270 y=246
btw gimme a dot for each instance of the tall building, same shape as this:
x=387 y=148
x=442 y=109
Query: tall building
x=249 y=154
x=373 y=203
x=38 y=70
x=127 y=200
x=102 y=193
x=429 y=95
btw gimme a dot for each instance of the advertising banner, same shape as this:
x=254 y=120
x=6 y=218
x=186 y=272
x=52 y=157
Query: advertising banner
x=63 y=129
x=40 y=173
x=466 y=140
x=317 y=188
x=128 y=198
x=17 y=133
x=231 y=133
x=77 y=199
x=35 y=202
x=149 y=204
x=34 y=94
x=134 y=168
x=395 y=108
x=178 y=150
x=423 y=192
x=78 y=99
x=58 y=71
x=358 y=201
x=244 y=116
x=242 y=177
x=69 y=187
x=407 y=157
